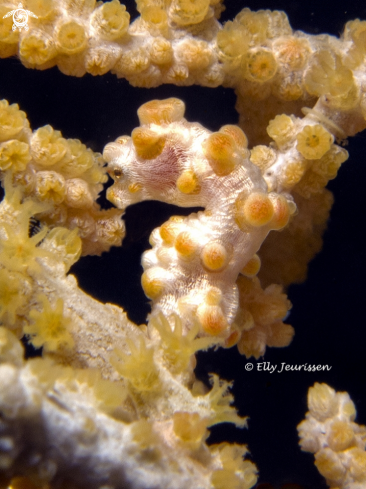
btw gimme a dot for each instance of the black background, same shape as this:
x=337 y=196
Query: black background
x=329 y=310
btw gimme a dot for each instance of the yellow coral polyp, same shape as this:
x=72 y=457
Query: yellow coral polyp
x=36 y=48
x=178 y=74
x=178 y=348
x=139 y=366
x=78 y=194
x=148 y=143
x=255 y=24
x=347 y=101
x=155 y=16
x=12 y=295
x=19 y=252
x=161 y=111
x=341 y=436
x=251 y=343
x=327 y=75
x=78 y=158
x=12 y=120
x=256 y=210
x=47 y=146
x=111 y=20
x=289 y=88
x=329 y=465
x=235 y=472
x=71 y=38
x=314 y=141
x=44 y=9
x=80 y=8
x=322 y=401
x=68 y=242
x=358 y=464
x=260 y=66
x=50 y=187
x=214 y=256
x=195 y=54
x=330 y=163
x=49 y=328
x=292 y=51
x=262 y=156
x=14 y=156
x=232 y=40
x=281 y=129
x=356 y=30
x=292 y=173
x=187 y=182
x=187 y=12
x=109 y=229
x=190 y=428
x=100 y=60
x=220 y=150
x=161 y=51
x=132 y=62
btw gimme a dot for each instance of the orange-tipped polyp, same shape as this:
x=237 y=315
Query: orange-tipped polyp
x=281 y=212
x=258 y=209
x=214 y=256
x=161 y=111
x=169 y=231
x=254 y=211
x=153 y=285
x=236 y=133
x=185 y=245
x=212 y=319
x=252 y=267
x=219 y=149
x=187 y=182
x=148 y=143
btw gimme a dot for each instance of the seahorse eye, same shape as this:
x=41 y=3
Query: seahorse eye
x=117 y=173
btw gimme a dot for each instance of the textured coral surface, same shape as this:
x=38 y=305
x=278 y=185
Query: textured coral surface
x=111 y=116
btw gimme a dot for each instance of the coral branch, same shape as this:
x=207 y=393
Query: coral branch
x=330 y=433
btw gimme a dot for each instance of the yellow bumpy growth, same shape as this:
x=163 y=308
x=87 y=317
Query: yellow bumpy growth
x=338 y=442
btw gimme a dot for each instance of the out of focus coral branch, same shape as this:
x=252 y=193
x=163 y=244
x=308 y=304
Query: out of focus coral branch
x=339 y=444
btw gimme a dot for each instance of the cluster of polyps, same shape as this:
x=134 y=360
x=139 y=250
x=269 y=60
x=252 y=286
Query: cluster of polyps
x=195 y=261
x=329 y=431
